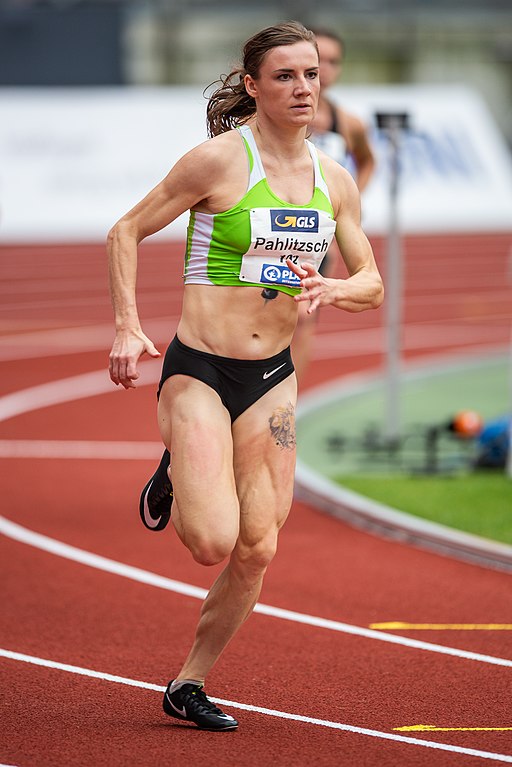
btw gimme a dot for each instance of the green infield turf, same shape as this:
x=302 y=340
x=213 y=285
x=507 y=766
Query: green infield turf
x=429 y=471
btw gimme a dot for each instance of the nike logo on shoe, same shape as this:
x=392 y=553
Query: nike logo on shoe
x=267 y=373
x=147 y=516
x=181 y=711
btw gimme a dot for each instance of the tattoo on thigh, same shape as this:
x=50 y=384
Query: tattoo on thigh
x=282 y=426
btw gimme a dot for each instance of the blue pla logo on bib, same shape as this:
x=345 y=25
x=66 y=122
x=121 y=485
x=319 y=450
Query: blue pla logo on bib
x=277 y=274
x=282 y=220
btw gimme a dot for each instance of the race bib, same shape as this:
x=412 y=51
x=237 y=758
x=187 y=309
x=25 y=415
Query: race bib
x=280 y=234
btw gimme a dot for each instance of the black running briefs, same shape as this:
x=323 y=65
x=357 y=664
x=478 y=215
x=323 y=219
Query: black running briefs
x=239 y=383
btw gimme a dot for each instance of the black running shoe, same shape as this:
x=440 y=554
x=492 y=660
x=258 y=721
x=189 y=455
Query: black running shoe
x=156 y=498
x=190 y=704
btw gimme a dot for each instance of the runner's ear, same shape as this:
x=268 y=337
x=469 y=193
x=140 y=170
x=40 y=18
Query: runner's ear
x=250 y=86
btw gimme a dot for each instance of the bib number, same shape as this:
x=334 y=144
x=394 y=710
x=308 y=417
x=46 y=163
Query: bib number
x=279 y=235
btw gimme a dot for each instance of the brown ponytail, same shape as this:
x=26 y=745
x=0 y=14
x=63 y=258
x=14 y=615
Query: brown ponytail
x=229 y=105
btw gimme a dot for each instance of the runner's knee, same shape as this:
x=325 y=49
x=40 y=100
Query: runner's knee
x=210 y=550
x=256 y=556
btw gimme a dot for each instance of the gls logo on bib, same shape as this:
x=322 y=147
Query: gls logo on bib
x=291 y=222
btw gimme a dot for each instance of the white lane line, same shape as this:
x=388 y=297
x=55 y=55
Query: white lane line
x=9 y=654
x=83 y=338
x=79 y=338
x=45 y=543
x=79 y=449
x=416 y=337
x=70 y=389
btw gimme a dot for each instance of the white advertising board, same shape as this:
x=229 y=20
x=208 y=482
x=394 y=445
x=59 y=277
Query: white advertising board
x=455 y=167
x=72 y=161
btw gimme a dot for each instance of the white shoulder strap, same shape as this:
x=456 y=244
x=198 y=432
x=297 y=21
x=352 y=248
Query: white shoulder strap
x=257 y=170
x=319 y=179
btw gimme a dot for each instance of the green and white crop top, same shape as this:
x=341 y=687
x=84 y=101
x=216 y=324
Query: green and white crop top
x=250 y=243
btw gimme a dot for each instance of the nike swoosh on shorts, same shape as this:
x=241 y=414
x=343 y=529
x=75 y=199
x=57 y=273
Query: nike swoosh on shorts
x=267 y=373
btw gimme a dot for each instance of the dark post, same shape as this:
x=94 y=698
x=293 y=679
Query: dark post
x=393 y=124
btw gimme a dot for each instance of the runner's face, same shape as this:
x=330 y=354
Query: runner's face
x=330 y=57
x=288 y=84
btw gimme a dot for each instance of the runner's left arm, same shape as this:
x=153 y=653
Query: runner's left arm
x=363 y=288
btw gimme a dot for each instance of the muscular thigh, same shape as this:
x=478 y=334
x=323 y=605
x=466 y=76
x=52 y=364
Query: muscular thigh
x=264 y=461
x=197 y=427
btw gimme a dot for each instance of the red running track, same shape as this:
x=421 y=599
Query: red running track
x=324 y=688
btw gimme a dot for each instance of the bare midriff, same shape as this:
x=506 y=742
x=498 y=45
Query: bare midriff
x=237 y=322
